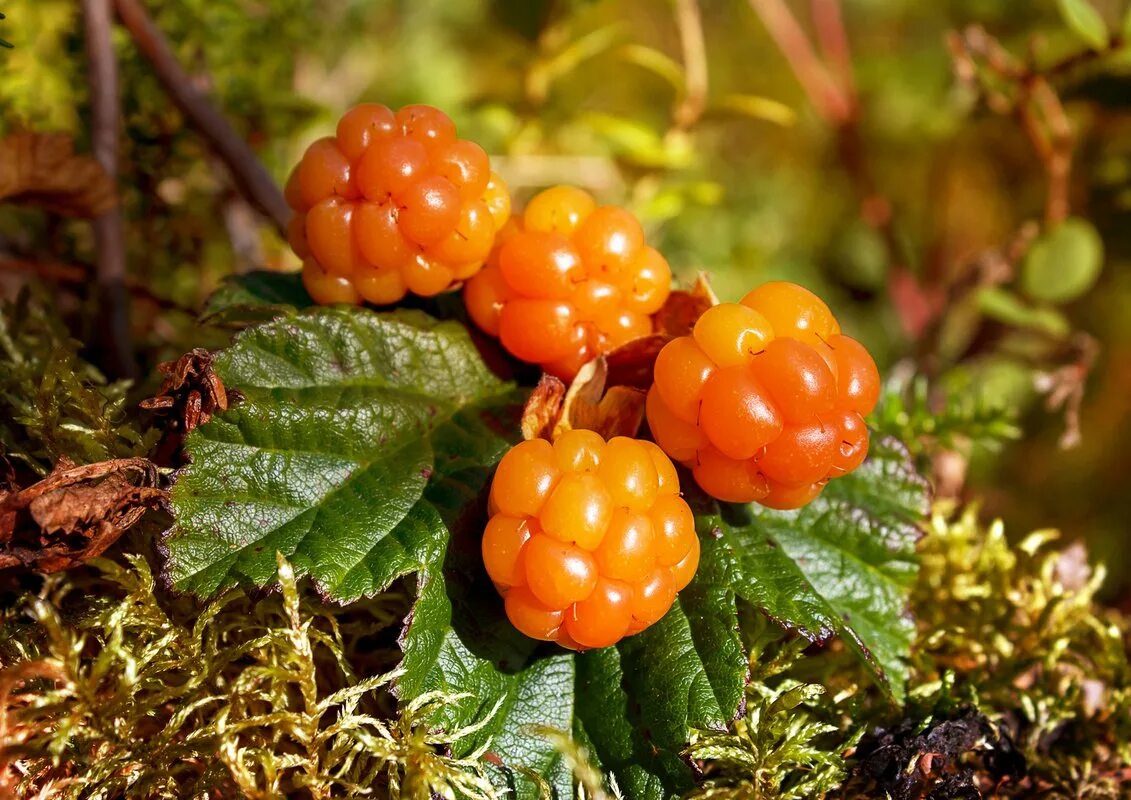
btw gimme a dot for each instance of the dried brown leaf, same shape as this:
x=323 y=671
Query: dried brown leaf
x=42 y=169
x=683 y=308
x=75 y=513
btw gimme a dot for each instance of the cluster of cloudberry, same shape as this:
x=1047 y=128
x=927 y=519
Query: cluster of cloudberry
x=588 y=541
x=568 y=281
x=394 y=203
x=765 y=400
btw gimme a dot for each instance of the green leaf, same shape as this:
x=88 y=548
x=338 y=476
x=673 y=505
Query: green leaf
x=1064 y=262
x=256 y=296
x=1004 y=306
x=1083 y=20
x=842 y=565
x=346 y=414
x=632 y=705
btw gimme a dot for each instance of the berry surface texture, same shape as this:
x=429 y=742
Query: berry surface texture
x=588 y=541
x=765 y=400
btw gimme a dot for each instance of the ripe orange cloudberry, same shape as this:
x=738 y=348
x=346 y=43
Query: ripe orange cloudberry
x=568 y=281
x=393 y=203
x=765 y=400
x=588 y=541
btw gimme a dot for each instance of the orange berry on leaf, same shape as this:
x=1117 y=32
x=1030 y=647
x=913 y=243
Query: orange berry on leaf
x=588 y=539
x=765 y=400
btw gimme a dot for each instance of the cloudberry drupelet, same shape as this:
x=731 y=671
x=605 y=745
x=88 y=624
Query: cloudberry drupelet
x=393 y=203
x=588 y=540
x=569 y=280
x=765 y=400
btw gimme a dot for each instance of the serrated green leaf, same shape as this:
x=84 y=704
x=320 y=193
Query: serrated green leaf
x=346 y=414
x=1064 y=262
x=256 y=296
x=842 y=565
x=1083 y=20
x=632 y=705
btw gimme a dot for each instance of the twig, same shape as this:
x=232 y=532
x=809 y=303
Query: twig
x=1058 y=164
x=833 y=39
x=109 y=234
x=1023 y=91
x=249 y=175
x=694 y=100
x=839 y=106
x=827 y=98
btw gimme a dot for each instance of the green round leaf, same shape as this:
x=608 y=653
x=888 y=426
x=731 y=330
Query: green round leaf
x=1064 y=263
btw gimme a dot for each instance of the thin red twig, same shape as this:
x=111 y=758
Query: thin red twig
x=830 y=101
x=828 y=20
x=109 y=233
x=248 y=173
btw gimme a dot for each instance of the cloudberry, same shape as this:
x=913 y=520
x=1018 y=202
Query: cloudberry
x=392 y=203
x=765 y=400
x=570 y=281
x=588 y=540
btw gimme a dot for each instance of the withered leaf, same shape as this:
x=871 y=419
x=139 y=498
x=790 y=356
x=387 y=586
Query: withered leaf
x=43 y=169
x=615 y=412
x=678 y=315
x=189 y=396
x=632 y=363
x=75 y=513
x=543 y=408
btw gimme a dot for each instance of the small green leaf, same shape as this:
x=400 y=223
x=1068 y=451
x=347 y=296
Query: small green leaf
x=660 y=64
x=256 y=296
x=1064 y=262
x=1004 y=306
x=756 y=107
x=1083 y=20
x=345 y=416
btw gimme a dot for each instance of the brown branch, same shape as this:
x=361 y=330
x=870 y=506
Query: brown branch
x=827 y=98
x=1058 y=164
x=1026 y=92
x=694 y=101
x=109 y=234
x=249 y=175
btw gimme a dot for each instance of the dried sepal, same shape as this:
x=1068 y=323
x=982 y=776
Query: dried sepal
x=543 y=408
x=684 y=307
x=591 y=404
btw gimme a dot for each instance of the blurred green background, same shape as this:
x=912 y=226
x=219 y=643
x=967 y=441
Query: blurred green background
x=757 y=186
